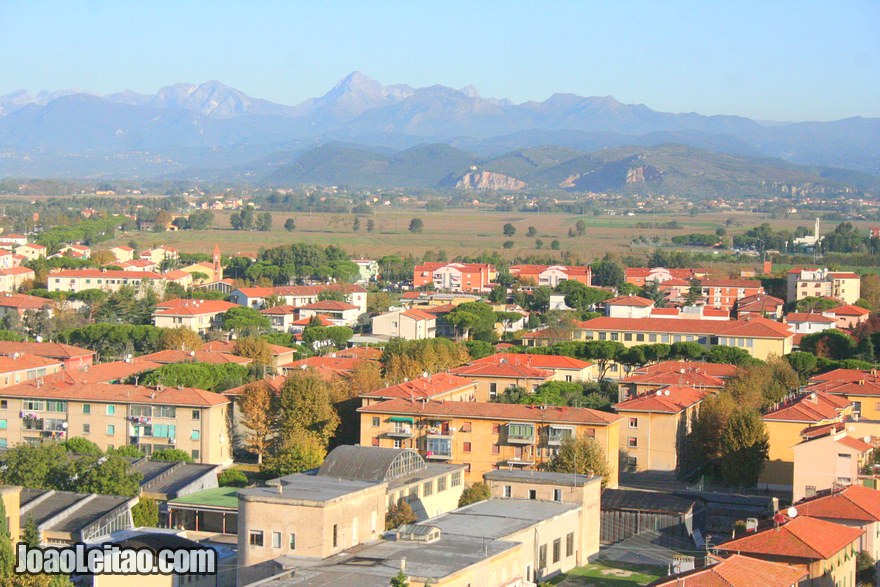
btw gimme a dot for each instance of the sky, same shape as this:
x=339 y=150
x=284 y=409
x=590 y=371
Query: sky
x=779 y=60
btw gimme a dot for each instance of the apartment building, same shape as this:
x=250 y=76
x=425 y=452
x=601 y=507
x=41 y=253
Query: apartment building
x=721 y=294
x=736 y=571
x=486 y=436
x=122 y=253
x=298 y=295
x=12 y=278
x=77 y=280
x=496 y=377
x=20 y=367
x=339 y=313
x=641 y=276
x=21 y=303
x=825 y=551
x=562 y=368
x=827 y=461
x=551 y=275
x=704 y=376
x=197 y=315
x=159 y=254
x=32 y=252
x=655 y=426
x=456 y=277
x=861 y=388
x=282 y=317
x=848 y=316
x=789 y=424
x=412 y=324
x=72 y=357
x=822 y=283
x=763 y=305
x=111 y=416
x=440 y=386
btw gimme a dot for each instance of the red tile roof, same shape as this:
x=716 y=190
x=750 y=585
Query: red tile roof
x=328 y=367
x=106 y=393
x=16 y=271
x=522 y=270
x=493 y=411
x=175 y=356
x=844 y=375
x=52 y=350
x=867 y=387
x=753 y=327
x=759 y=303
x=11 y=364
x=811 y=407
x=662 y=379
x=502 y=370
x=856 y=443
x=713 y=369
x=433 y=386
x=635 y=301
x=737 y=571
x=24 y=302
x=809 y=317
x=849 y=310
x=329 y=305
x=802 y=537
x=854 y=502
x=668 y=400
x=273 y=384
x=283 y=310
x=182 y=307
x=105 y=274
x=106 y=372
x=322 y=320
x=417 y=314
x=537 y=361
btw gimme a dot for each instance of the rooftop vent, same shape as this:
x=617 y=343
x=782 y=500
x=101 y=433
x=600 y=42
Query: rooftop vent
x=416 y=533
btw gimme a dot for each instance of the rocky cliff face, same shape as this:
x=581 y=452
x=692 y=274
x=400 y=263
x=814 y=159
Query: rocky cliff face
x=643 y=174
x=488 y=180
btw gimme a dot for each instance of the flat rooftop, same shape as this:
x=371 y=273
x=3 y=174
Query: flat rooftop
x=541 y=478
x=312 y=488
x=432 y=470
x=497 y=518
x=218 y=498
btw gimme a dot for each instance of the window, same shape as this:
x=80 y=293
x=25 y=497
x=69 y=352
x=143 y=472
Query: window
x=466 y=427
x=87 y=408
x=56 y=406
x=111 y=410
x=456 y=479
x=496 y=449
x=292 y=542
x=33 y=405
x=633 y=422
x=493 y=389
x=533 y=494
x=557 y=495
x=496 y=428
x=375 y=441
x=276 y=539
x=542 y=557
x=441 y=484
x=196 y=435
x=557 y=550
x=632 y=442
x=569 y=544
x=196 y=415
x=164 y=412
x=196 y=455
x=413 y=493
x=632 y=461
x=427 y=488
x=375 y=421
x=3 y=443
x=397 y=443
x=4 y=404
x=627 y=336
x=111 y=429
x=2 y=424
x=87 y=428
x=335 y=535
x=255 y=538
x=466 y=447
x=507 y=491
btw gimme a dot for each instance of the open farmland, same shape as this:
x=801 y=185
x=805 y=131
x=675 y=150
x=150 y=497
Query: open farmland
x=458 y=232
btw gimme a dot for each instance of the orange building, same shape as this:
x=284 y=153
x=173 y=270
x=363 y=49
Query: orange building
x=460 y=277
x=550 y=275
x=717 y=293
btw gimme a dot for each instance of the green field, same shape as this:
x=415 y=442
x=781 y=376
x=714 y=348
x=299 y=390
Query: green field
x=612 y=574
x=458 y=232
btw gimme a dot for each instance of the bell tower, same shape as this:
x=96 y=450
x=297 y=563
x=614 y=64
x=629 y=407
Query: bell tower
x=218 y=267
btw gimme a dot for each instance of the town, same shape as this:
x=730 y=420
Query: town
x=319 y=419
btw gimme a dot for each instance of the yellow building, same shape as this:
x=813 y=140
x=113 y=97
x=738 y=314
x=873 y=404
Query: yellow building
x=486 y=436
x=494 y=378
x=197 y=315
x=440 y=386
x=562 y=368
x=861 y=388
x=788 y=425
x=11 y=495
x=829 y=460
x=26 y=367
x=111 y=416
x=655 y=426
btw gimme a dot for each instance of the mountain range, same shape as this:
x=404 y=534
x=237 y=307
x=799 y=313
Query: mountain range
x=416 y=136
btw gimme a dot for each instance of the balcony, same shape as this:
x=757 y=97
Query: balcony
x=400 y=432
x=438 y=456
x=440 y=433
x=438 y=448
x=555 y=435
x=520 y=434
x=524 y=461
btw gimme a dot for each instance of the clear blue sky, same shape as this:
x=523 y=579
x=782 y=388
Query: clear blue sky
x=776 y=59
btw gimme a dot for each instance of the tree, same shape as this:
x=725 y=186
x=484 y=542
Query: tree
x=38 y=467
x=232 y=478
x=110 y=475
x=729 y=355
x=180 y=338
x=539 y=244
x=356 y=224
x=579 y=296
x=244 y=320
x=832 y=344
x=416 y=225
x=82 y=446
x=803 y=363
x=399 y=514
x=300 y=452
x=7 y=554
x=815 y=304
x=580 y=227
x=603 y=352
x=290 y=224
x=607 y=273
x=255 y=404
x=256 y=349
x=31 y=534
x=264 y=222
x=400 y=580
x=479 y=349
x=200 y=219
x=689 y=351
x=475 y=493
x=371 y=225
x=744 y=447
x=532 y=231
x=581 y=455
x=508 y=229
x=304 y=409
x=473 y=319
x=554 y=245
x=172 y=454
x=508 y=244
x=695 y=292
x=145 y=513
x=212 y=377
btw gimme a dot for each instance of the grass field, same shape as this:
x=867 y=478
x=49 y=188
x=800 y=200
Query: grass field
x=458 y=232
x=610 y=575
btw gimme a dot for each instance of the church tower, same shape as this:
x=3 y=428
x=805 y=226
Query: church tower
x=218 y=267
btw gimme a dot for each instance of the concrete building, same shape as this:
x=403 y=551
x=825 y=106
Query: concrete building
x=298 y=295
x=641 y=276
x=412 y=324
x=822 y=283
x=721 y=294
x=493 y=378
x=32 y=251
x=77 y=280
x=561 y=367
x=283 y=317
x=151 y=418
x=628 y=307
x=197 y=315
x=72 y=357
x=456 y=277
x=762 y=305
x=861 y=388
x=21 y=303
x=123 y=253
x=736 y=571
x=848 y=316
x=486 y=436
x=704 y=376
x=159 y=254
x=369 y=269
x=809 y=322
x=440 y=386
x=12 y=278
x=828 y=461
x=628 y=512
x=24 y=367
x=655 y=427
x=64 y=517
x=550 y=275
